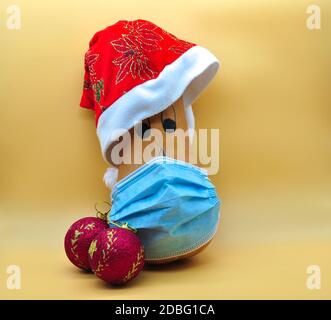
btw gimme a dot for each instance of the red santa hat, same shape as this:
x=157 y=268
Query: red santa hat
x=135 y=69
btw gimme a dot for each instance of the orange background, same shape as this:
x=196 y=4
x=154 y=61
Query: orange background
x=271 y=101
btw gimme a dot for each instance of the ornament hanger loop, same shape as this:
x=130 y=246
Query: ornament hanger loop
x=102 y=214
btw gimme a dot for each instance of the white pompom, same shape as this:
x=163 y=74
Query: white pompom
x=110 y=177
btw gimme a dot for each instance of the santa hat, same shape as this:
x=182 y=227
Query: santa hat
x=135 y=69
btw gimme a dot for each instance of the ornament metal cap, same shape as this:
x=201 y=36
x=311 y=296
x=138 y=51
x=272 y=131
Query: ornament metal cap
x=104 y=216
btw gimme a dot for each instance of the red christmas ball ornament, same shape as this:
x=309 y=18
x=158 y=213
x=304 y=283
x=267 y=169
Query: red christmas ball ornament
x=79 y=237
x=116 y=255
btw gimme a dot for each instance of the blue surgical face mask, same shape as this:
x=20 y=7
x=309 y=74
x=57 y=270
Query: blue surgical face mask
x=172 y=204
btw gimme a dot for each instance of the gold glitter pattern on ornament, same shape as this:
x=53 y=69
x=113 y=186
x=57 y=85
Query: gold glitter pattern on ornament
x=100 y=267
x=102 y=264
x=111 y=237
x=76 y=236
x=90 y=226
x=74 y=240
x=92 y=248
x=135 y=265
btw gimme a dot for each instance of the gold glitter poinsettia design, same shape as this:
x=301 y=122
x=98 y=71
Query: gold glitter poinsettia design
x=90 y=60
x=98 y=87
x=181 y=46
x=93 y=83
x=144 y=34
x=132 y=47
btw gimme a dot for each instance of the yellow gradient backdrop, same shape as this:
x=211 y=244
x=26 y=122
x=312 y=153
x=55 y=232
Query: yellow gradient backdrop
x=271 y=101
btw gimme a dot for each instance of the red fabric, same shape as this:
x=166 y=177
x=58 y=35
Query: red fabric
x=123 y=56
x=117 y=256
x=79 y=237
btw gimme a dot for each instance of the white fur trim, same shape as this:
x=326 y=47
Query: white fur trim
x=187 y=76
x=110 y=177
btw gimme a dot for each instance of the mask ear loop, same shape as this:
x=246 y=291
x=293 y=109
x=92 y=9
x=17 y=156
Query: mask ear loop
x=104 y=215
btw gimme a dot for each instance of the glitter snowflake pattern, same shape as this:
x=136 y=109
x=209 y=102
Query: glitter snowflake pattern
x=132 y=47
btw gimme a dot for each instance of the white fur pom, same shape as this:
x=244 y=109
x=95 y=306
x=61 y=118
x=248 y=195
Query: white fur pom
x=110 y=177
